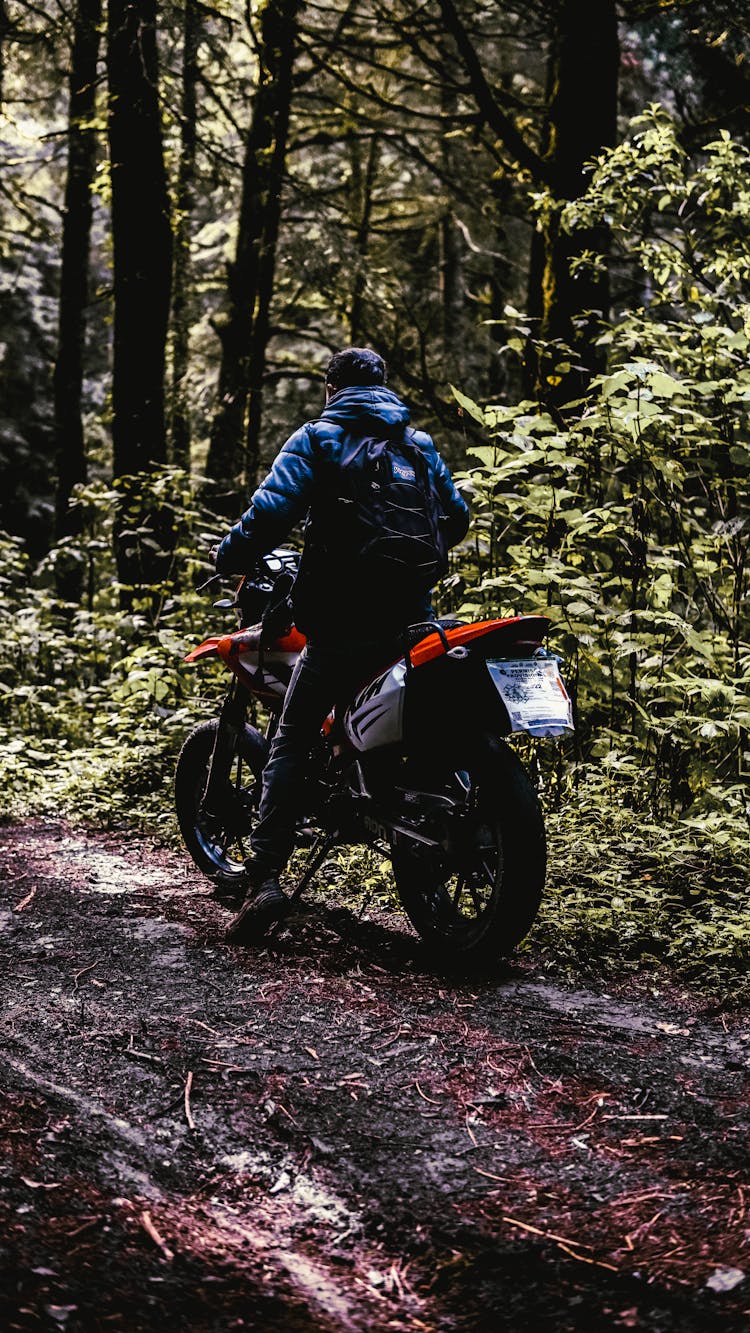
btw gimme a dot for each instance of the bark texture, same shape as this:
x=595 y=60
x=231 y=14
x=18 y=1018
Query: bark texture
x=70 y=448
x=245 y=331
x=185 y=198
x=584 y=67
x=141 y=235
x=364 y=170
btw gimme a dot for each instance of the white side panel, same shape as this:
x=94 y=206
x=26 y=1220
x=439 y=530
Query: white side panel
x=377 y=715
x=249 y=663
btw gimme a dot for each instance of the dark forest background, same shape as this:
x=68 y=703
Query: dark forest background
x=538 y=213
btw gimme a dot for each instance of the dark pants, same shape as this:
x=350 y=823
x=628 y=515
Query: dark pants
x=322 y=677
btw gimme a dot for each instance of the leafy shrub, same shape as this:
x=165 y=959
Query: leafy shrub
x=624 y=517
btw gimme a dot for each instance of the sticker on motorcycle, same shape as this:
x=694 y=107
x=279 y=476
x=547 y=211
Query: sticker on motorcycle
x=534 y=694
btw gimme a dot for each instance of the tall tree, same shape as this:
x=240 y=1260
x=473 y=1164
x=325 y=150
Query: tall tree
x=141 y=237
x=244 y=333
x=5 y=27
x=363 y=177
x=584 y=53
x=453 y=278
x=70 y=449
x=184 y=203
x=581 y=120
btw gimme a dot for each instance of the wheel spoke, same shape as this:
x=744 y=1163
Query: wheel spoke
x=490 y=872
x=475 y=897
x=460 y=885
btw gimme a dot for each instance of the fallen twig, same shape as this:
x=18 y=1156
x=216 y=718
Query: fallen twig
x=82 y=972
x=197 y=1022
x=402 y=1032
x=288 y=1115
x=628 y=1200
x=584 y=1258
x=565 y=1129
x=19 y=907
x=424 y=1096
x=547 y=1235
x=143 y=1055
x=158 y=1240
x=188 y=1112
x=642 y=1229
x=85 y=1226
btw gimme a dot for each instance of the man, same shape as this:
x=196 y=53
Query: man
x=351 y=617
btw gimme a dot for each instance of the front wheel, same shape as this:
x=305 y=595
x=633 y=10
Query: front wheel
x=218 y=843
x=475 y=900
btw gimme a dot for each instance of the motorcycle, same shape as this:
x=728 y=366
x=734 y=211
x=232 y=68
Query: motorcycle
x=414 y=765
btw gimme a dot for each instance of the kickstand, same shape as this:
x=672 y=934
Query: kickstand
x=318 y=854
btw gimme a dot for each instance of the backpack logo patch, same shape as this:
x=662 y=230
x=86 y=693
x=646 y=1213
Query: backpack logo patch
x=402 y=471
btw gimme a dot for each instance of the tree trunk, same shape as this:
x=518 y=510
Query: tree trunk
x=501 y=285
x=141 y=235
x=70 y=449
x=452 y=277
x=245 y=331
x=363 y=187
x=585 y=58
x=181 y=276
x=5 y=28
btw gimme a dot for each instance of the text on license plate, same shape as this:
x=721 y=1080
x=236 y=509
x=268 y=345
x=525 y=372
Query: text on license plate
x=534 y=694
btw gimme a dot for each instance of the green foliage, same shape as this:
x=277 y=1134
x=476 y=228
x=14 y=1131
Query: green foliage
x=626 y=520
x=95 y=701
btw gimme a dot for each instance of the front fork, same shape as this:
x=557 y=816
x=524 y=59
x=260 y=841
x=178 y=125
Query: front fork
x=231 y=726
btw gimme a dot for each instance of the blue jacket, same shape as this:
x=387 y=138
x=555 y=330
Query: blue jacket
x=304 y=473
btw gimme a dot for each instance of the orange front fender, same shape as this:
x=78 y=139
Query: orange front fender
x=209 y=648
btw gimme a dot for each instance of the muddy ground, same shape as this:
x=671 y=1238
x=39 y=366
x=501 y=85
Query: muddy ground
x=322 y=1135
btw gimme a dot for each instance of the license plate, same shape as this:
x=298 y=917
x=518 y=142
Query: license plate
x=534 y=694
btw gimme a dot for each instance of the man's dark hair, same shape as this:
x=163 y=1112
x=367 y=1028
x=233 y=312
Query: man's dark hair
x=355 y=365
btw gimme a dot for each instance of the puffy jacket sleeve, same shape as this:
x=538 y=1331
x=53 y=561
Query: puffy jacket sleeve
x=455 y=509
x=279 y=503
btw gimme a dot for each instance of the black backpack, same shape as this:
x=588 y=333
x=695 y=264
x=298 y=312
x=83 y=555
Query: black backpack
x=374 y=546
x=386 y=517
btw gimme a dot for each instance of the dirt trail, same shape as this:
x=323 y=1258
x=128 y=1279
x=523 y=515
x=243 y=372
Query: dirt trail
x=323 y=1136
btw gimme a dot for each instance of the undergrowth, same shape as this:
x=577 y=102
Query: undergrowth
x=623 y=519
x=95 y=704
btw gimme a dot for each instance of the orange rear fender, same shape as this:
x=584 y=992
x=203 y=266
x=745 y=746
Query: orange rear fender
x=515 y=631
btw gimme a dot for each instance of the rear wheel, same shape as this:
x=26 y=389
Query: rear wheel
x=476 y=899
x=218 y=843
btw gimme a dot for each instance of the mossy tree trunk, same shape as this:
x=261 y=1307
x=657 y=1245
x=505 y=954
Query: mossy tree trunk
x=142 y=250
x=245 y=331
x=141 y=238
x=582 y=122
x=70 y=446
x=184 y=202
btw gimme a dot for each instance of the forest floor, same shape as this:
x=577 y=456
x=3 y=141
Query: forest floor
x=322 y=1135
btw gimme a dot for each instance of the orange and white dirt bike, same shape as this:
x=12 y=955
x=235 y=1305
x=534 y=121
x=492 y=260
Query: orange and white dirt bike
x=414 y=765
